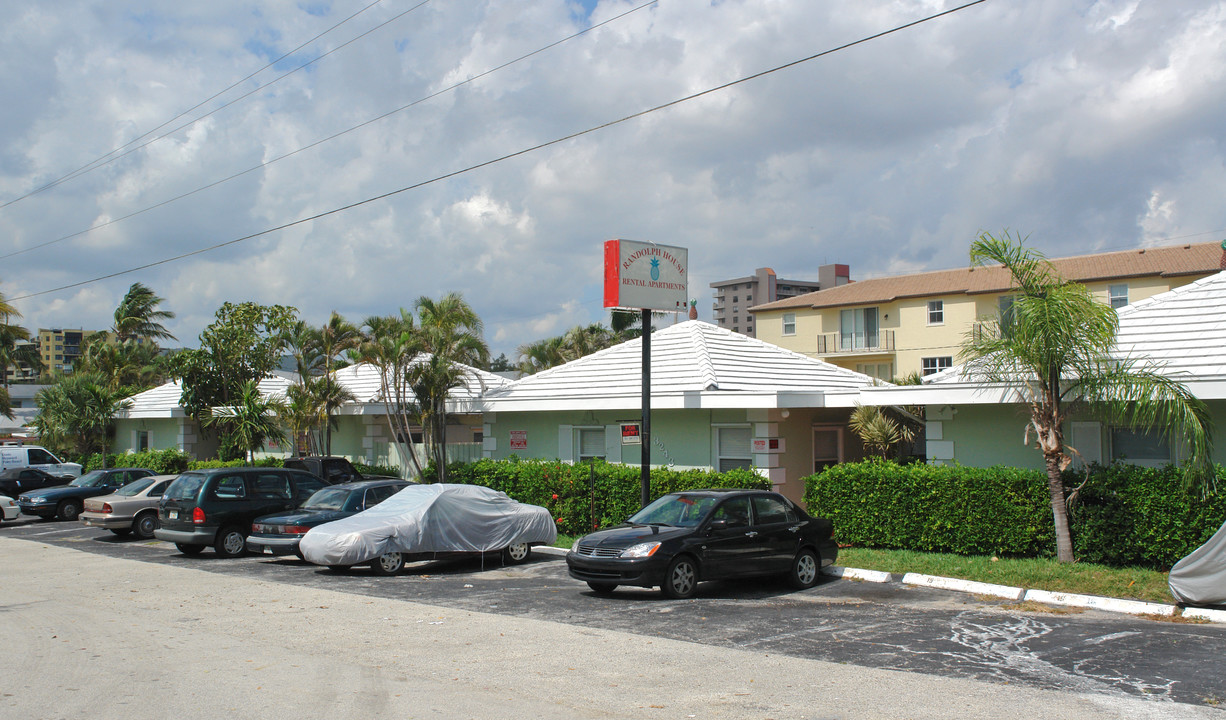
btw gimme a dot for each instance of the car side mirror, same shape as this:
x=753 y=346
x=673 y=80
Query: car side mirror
x=717 y=525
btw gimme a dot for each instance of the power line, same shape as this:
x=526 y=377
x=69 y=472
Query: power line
x=103 y=162
x=265 y=164
x=511 y=155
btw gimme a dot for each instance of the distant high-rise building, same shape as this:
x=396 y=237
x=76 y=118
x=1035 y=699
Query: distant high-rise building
x=733 y=298
x=60 y=348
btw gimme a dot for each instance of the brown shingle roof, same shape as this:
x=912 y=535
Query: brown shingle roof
x=1170 y=261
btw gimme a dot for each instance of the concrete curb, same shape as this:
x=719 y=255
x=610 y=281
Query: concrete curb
x=847 y=573
x=1132 y=607
x=1007 y=592
x=550 y=550
x=1218 y=616
x=967 y=586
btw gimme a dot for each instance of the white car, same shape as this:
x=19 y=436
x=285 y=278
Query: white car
x=8 y=508
x=425 y=522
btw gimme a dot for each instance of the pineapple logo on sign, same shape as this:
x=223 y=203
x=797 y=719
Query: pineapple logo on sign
x=655 y=268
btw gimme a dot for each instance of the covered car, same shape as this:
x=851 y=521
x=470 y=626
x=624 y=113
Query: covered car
x=424 y=522
x=1200 y=578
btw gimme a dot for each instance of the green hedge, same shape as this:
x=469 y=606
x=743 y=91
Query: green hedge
x=1129 y=515
x=1125 y=515
x=970 y=511
x=162 y=462
x=586 y=496
x=211 y=464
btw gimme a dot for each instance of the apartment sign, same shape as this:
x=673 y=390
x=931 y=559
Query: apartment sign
x=632 y=433
x=519 y=439
x=645 y=276
x=768 y=445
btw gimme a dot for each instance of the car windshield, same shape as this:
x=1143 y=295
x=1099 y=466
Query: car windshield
x=135 y=486
x=330 y=498
x=90 y=479
x=185 y=488
x=678 y=510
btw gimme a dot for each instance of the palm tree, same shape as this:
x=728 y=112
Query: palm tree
x=79 y=411
x=252 y=421
x=450 y=331
x=541 y=355
x=335 y=337
x=1058 y=350
x=391 y=345
x=138 y=316
x=877 y=430
x=17 y=351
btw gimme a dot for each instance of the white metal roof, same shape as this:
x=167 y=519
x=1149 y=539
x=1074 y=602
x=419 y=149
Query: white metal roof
x=163 y=400
x=1182 y=332
x=362 y=380
x=693 y=365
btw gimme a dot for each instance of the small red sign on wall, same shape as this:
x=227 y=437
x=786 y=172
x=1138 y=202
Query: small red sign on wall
x=519 y=439
x=768 y=445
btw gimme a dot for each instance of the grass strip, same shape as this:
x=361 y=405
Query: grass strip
x=1029 y=573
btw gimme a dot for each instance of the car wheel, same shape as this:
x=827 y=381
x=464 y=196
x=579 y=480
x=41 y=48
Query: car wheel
x=681 y=579
x=121 y=532
x=189 y=548
x=602 y=588
x=517 y=553
x=68 y=510
x=387 y=563
x=230 y=543
x=804 y=571
x=145 y=524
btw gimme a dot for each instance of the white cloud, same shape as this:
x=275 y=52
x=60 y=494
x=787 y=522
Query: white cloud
x=1089 y=125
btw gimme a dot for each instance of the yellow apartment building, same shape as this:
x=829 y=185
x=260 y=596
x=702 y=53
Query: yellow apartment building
x=893 y=326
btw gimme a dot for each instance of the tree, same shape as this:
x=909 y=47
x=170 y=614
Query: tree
x=242 y=344
x=78 y=412
x=138 y=316
x=391 y=345
x=251 y=421
x=878 y=431
x=1058 y=350
x=541 y=355
x=335 y=337
x=500 y=364
x=450 y=332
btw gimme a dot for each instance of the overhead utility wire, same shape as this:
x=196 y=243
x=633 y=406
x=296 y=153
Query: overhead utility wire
x=89 y=165
x=508 y=156
x=218 y=109
x=265 y=164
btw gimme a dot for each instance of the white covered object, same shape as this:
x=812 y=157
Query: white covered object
x=440 y=518
x=1200 y=578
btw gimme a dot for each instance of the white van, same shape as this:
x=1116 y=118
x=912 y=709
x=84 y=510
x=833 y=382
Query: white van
x=21 y=456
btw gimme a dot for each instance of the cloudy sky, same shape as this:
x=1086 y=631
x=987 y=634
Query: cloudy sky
x=1089 y=125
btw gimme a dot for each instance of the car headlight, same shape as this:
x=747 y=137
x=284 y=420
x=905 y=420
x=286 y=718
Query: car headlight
x=641 y=550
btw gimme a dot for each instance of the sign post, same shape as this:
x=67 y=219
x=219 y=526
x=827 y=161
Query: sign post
x=645 y=277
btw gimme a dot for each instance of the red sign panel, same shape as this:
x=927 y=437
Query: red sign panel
x=519 y=439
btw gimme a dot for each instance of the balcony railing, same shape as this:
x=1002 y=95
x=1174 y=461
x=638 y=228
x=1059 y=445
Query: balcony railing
x=863 y=343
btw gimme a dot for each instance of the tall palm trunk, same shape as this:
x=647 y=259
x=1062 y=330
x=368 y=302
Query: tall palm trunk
x=1059 y=507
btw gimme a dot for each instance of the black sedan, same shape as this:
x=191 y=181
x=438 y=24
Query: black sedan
x=15 y=481
x=66 y=501
x=279 y=534
x=686 y=537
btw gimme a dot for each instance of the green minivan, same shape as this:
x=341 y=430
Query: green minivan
x=215 y=507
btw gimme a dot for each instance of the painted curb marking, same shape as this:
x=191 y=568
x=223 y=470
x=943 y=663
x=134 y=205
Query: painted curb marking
x=875 y=576
x=967 y=586
x=1205 y=614
x=1132 y=607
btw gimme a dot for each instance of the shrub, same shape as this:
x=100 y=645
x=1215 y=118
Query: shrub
x=211 y=464
x=1128 y=515
x=1124 y=516
x=378 y=469
x=970 y=511
x=583 y=497
x=162 y=462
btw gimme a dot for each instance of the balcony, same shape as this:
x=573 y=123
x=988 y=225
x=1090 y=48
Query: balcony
x=856 y=343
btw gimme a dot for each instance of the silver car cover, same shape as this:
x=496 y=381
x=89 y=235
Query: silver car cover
x=1200 y=578
x=439 y=518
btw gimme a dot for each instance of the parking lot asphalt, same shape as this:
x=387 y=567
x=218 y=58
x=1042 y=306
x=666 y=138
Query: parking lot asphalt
x=882 y=626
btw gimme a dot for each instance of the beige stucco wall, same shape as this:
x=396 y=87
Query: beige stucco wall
x=914 y=338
